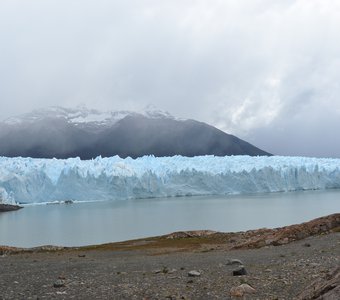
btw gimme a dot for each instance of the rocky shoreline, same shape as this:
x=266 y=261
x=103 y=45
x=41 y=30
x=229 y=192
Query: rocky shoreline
x=9 y=207
x=293 y=262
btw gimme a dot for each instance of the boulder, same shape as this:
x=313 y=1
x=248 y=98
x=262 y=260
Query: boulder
x=241 y=290
x=240 y=271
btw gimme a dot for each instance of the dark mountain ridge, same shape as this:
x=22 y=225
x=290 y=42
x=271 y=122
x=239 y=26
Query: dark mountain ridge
x=63 y=133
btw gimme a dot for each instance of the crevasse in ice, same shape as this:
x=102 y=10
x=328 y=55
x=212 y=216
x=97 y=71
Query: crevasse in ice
x=29 y=180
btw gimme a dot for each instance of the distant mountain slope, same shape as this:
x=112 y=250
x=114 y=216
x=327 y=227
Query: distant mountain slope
x=62 y=133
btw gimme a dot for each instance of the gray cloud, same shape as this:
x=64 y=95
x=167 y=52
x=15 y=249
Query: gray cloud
x=267 y=71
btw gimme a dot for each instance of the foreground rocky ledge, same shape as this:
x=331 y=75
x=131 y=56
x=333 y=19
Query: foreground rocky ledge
x=293 y=262
x=324 y=288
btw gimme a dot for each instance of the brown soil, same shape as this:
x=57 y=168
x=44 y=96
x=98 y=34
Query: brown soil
x=280 y=263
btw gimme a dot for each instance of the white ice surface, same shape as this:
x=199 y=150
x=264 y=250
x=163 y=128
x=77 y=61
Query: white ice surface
x=30 y=180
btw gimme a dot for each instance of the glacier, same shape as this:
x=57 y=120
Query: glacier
x=28 y=180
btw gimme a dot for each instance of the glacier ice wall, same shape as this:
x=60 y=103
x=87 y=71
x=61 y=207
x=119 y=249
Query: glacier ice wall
x=29 y=180
x=6 y=198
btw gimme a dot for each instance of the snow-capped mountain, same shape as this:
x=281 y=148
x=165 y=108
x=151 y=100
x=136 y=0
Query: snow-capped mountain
x=82 y=115
x=69 y=132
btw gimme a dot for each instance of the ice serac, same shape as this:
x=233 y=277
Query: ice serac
x=29 y=180
x=6 y=198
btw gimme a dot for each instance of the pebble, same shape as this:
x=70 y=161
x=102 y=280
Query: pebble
x=59 y=283
x=314 y=265
x=172 y=271
x=62 y=293
x=194 y=273
x=164 y=270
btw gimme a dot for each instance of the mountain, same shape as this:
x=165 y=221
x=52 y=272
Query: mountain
x=64 y=132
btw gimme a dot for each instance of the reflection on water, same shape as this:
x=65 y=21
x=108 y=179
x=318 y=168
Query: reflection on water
x=101 y=222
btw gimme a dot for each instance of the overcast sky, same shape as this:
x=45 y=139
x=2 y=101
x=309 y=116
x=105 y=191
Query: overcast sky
x=266 y=71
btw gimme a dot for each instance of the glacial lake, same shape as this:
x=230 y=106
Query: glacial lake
x=99 y=222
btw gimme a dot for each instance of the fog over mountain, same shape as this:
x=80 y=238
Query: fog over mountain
x=265 y=71
x=62 y=133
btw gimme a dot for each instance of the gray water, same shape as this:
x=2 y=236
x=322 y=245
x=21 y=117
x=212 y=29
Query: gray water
x=110 y=221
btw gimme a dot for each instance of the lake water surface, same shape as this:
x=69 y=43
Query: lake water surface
x=110 y=221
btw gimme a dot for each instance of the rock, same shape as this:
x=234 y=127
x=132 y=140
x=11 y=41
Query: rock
x=61 y=293
x=314 y=265
x=241 y=290
x=164 y=270
x=121 y=273
x=9 y=207
x=234 y=262
x=269 y=242
x=306 y=244
x=194 y=273
x=284 y=241
x=189 y=234
x=47 y=248
x=236 y=292
x=240 y=271
x=247 y=288
x=59 y=283
x=264 y=237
